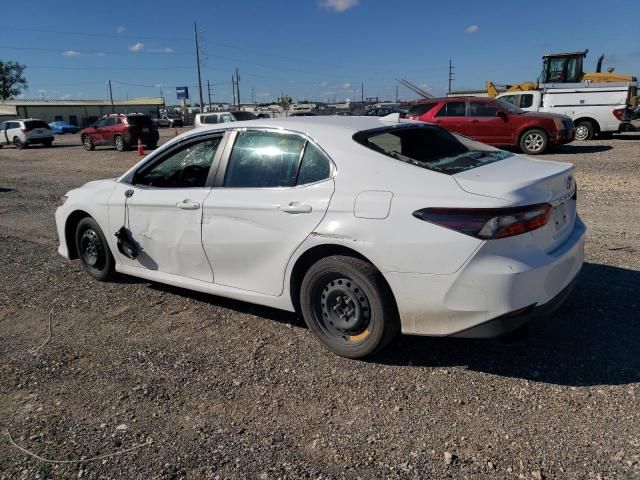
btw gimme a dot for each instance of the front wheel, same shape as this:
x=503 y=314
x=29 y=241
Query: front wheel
x=121 y=146
x=534 y=142
x=348 y=306
x=48 y=143
x=93 y=250
x=585 y=130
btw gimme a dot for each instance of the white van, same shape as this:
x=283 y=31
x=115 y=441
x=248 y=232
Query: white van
x=221 y=117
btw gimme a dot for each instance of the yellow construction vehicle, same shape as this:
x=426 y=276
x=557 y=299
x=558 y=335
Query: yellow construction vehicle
x=558 y=68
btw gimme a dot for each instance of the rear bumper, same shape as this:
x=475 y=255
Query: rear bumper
x=499 y=283
x=37 y=140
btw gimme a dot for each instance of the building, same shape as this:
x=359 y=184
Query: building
x=77 y=112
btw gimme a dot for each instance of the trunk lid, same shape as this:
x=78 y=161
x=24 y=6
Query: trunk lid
x=523 y=181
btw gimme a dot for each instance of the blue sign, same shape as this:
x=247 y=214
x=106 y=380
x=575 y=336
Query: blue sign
x=182 y=93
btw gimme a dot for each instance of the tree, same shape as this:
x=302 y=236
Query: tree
x=12 y=80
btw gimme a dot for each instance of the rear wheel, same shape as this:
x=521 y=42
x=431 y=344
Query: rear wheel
x=93 y=250
x=118 y=141
x=88 y=143
x=534 y=142
x=585 y=130
x=18 y=143
x=48 y=143
x=348 y=306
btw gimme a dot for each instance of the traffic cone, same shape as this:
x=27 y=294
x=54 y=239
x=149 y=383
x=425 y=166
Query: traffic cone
x=140 y=148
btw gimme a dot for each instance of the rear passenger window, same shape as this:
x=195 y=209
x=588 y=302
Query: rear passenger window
x=264 y=160
x=314 y=166
x=452 y=109
x=420 y=109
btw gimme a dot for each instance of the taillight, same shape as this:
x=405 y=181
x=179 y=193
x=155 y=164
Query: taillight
x=25 y=130
x=489 y=223
x=619 y=113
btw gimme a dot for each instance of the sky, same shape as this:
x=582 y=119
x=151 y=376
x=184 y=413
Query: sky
x=308 y=49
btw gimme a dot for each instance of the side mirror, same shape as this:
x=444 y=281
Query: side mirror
x=502 y=115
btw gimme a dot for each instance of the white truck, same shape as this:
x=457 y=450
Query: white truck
x=595 y=108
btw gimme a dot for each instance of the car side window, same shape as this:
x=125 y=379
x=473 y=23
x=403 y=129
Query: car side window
x=101 y=123
x=264 y=160
x=226 y=118
x=118 y=121
x=481 y=109
x=187 y=167
x=209 y=119
x=452 y=109
x=526 y=100
x=314 y=166
x=110 y=122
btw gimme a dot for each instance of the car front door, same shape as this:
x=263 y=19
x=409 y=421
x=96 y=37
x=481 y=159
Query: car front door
x=98 y=133
x=487 y=126
x=164 y=209
x=452 y=117
x=271 y=191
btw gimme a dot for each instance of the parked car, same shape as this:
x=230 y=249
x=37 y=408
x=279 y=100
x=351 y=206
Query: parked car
x=212 y=118
x=384 y=111
x=60 y=128
x=496 y=122
x=122 y=130
x=263 y=115
x=22 y=133
x=302 y=114
x=171 y=120
x=364 y=225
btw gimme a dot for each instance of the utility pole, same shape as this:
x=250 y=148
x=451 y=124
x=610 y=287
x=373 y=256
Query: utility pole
x=362 y=96
x=111 y=97
x=195 y=33
x=233 y=87
x=238 y=85
x=253 y=96
x=396 y=93
x=209 y=92
x=451 y=68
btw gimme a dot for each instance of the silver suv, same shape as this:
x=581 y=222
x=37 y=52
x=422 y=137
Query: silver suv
x=22 y=133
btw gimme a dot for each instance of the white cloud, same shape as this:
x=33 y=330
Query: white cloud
x=42 y=91
x=120 y=30
x=346 y=85
x=136 y=47
x=338 y=6
x=68 y=96
x=472 y=29
x=99 y=54
x=70 y=53
x=323 y=84
x=158 y=50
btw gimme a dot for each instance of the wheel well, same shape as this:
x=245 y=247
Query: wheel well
x=70 y=231
x=596 y=125
x=310 y=257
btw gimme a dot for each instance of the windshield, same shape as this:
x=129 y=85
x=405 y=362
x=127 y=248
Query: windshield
x=31 y=124
x=430 y=147
x=509 y=107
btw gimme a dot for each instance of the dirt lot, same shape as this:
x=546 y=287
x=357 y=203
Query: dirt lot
x=204 y=387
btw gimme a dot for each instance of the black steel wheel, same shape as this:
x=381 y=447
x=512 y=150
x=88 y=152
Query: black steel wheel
x=93 y=250
x=348 y=306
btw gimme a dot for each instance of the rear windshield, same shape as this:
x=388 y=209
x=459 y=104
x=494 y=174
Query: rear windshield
x=239 y=116
x=30 y=124
x=139 y=120
x=420 y=109
x=430 y=147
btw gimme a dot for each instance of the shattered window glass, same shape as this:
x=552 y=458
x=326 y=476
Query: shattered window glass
x=186 y=168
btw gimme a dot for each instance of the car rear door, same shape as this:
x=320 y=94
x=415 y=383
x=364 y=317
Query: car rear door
x=271 y=190
x=452 y=116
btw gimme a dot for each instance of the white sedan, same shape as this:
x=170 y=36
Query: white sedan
x=366 y=226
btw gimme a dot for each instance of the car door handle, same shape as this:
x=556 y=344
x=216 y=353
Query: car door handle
x=188 y=205
x=295 y=207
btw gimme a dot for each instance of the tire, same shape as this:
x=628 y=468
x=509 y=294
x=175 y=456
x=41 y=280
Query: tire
x=93 y=250
x=18 y=143
x=120 y=144
x=534 y=141
x=152 y=146
x=48 y=144
x=348 y=306
x=585 y=130
x=88 y=143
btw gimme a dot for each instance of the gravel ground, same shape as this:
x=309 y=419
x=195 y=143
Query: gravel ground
x=203 y=387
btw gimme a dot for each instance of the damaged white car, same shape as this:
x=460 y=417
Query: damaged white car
x=366 y=226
